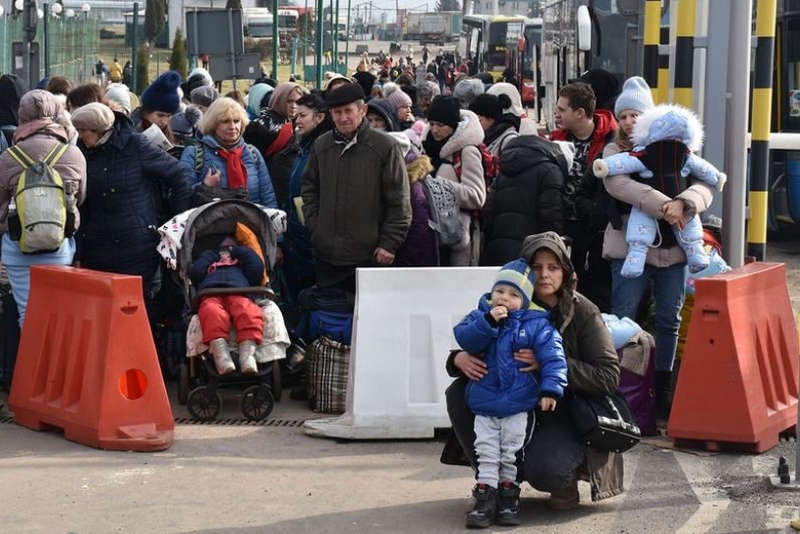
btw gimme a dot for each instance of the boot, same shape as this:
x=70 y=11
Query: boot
x=508 y=504
x=222 y=356
x=485 y=507
x=663 y=394
x=247 y=358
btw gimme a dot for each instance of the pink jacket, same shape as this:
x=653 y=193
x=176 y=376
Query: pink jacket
x=697 y=199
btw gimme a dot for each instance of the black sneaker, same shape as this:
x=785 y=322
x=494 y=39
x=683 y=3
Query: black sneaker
x=508 y=504
x=485 y=507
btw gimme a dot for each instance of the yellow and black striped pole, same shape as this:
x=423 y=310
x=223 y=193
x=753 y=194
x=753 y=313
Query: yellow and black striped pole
x=663 y=68
x=761 y=117
x=652 y=28
x=684 y=53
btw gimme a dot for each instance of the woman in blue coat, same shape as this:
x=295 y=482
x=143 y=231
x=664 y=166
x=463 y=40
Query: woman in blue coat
x=226 y=160
x=129 y=181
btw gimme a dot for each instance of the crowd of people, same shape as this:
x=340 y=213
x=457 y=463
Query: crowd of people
x=348 y=164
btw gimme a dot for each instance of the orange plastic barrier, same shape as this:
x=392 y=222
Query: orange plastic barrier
x=738 y=377
x=87 y=362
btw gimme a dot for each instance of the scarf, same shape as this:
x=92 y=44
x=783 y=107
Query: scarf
x=432 y=149
x=501 y=126
x=237 y=174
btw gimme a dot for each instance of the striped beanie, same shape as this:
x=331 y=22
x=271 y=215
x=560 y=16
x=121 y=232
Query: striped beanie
x=518 y=275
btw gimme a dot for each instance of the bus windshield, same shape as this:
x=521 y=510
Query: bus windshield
x=533 y=39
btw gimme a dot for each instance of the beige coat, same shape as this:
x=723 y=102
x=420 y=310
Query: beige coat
x=471 y=188
x=697 y=199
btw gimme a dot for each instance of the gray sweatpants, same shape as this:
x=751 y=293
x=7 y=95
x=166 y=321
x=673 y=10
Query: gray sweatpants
x=497 y=442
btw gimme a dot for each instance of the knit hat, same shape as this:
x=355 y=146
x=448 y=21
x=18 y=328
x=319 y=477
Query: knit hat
x=518 y=275
x=397 y=98
x=95 y=116
x=445 y=109
x=204 y=96
x=635 y=95
x=184 y=123
x=366 y=80
x=490 y=106
x=120 y=95
x=162 y=94
x=198 y=78
x=258 y=98
x=467 y=90
x=346 y=94
x=330 y=77
x=568 y=149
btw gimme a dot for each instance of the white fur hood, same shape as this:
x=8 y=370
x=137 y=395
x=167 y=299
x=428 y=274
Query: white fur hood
x=669 y=122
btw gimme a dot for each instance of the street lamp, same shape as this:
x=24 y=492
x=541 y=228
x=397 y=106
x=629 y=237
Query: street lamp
x=20 y=5
x=55 y=10
x=86 y=8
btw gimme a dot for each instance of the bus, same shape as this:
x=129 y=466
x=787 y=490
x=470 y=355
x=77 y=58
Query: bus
x=258 y=22
x=578 y=35
x=484 y=39
x=524 y=58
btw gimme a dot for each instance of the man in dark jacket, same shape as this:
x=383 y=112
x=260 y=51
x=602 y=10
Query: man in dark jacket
x=589 y=129
x=527 y=198
x=355 y=193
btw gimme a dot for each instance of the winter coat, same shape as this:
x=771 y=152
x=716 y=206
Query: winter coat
x=36 y=139
x=248 y=271
x=527 y=198
x=263 y=131
x=697 y=198
x=259 y=185
x=356 y=196
x=470 y=186
x=505 y=390
x=280 y=169
x=419 y=248
x=11 y=90
x=128 y=181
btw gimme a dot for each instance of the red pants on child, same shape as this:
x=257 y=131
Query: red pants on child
x=216 y=314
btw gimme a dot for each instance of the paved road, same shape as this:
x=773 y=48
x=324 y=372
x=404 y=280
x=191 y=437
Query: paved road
x=242 y=479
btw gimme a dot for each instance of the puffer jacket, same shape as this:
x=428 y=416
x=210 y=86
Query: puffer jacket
x=356 y=197
x=259 y=185
x=419 y=248
x=697 y=198
x=470 y=187
x=247 y=272
x=36 y=137
x=527 y=198
x=505 y=390
x=127 y=178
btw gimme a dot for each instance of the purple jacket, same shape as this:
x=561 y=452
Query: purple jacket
x=419 y=248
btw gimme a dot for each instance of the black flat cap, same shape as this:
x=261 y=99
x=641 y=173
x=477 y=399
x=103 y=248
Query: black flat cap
x=344 y=94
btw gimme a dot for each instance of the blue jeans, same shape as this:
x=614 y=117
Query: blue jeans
x=668 y=291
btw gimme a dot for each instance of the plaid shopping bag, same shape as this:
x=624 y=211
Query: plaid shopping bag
x=327 y=365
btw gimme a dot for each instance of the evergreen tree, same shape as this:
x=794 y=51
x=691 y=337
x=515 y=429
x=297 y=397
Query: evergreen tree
x=177 y=61
x=142 y=69
x=234 y=4
x=154 y=19
x=448 y=5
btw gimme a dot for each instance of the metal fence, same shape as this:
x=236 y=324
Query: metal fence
x=72 y=45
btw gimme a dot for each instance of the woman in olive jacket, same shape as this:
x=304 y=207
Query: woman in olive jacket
x=554 y=459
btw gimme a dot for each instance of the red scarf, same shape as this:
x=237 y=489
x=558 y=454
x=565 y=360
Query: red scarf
x=237 y=174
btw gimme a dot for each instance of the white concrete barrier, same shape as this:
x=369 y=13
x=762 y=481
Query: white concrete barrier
x=402 y=334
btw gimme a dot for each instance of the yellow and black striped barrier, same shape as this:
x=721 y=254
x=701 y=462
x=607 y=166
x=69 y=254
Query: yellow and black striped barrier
x=652 y=29
x=761 y=117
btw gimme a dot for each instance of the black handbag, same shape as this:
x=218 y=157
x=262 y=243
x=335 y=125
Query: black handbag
x=604 y=423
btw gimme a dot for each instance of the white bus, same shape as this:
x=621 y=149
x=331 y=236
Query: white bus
x=484 y=39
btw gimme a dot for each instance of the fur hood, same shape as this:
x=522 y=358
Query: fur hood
x=669 y=122
x=468 y=132
x=419 y=168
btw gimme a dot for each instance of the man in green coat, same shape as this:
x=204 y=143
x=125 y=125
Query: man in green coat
x=355 y=193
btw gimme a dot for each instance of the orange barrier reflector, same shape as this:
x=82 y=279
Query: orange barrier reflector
x=87 y=362
x=738 y=376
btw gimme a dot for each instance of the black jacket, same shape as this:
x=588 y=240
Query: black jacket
x=527 y=198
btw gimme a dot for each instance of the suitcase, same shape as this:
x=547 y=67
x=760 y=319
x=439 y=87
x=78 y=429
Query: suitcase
x=640 y=392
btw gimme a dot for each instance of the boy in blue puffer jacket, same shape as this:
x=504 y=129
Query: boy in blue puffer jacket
x=506 y=321
x=233 y=266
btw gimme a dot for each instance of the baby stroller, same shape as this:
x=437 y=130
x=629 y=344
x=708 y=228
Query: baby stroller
x=198 y=383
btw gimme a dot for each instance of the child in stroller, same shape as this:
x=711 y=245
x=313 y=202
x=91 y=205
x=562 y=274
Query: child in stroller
x=232 y=266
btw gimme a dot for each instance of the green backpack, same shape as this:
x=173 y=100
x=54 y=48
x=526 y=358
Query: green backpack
x=38 y=216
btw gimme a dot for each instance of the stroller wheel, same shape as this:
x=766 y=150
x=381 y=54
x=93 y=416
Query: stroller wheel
x=204 y=404
x=257 y=402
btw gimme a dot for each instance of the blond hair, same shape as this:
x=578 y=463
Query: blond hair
x=221 y=110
